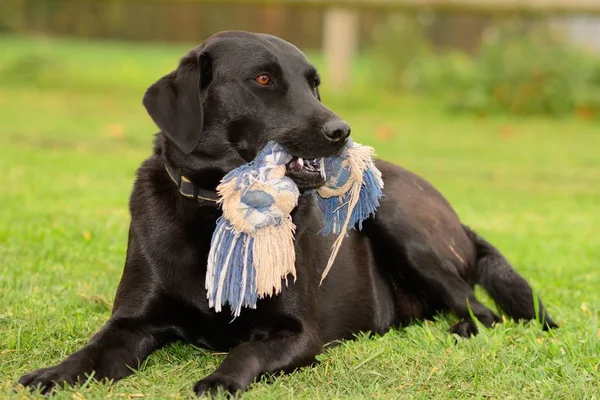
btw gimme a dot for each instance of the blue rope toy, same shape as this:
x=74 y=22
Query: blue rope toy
x=252 y=249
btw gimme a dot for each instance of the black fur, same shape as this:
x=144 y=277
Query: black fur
x=411 y=261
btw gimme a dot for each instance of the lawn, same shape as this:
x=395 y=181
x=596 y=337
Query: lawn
x=73 y=131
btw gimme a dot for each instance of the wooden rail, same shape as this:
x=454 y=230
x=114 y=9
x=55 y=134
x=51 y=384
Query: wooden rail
x=463 y=6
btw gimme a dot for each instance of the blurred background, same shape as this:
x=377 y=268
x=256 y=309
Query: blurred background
x=496 y=102
x=521 y=57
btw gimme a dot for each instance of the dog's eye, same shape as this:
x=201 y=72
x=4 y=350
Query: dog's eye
x=314 y=83
x=263 y=79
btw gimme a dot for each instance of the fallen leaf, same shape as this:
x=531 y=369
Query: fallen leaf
x=585 y=308
x=507 y=132
x=80 y=146
x=115 y=131
x=384 y=133
x=586 y=113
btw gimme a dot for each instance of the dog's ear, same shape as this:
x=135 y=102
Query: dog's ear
x=174 y=102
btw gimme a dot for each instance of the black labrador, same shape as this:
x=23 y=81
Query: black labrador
x=225 y=100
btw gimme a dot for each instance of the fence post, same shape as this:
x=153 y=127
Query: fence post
x=340 y=42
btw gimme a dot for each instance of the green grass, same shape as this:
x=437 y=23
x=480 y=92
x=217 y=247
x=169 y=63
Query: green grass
x=73 y=131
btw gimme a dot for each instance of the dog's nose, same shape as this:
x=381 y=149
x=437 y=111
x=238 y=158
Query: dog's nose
x=336 y=130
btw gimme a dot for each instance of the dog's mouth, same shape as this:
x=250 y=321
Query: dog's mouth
x=308 y=165
x=306 y=172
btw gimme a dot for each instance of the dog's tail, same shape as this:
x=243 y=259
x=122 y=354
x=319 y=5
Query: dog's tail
x=510 y=291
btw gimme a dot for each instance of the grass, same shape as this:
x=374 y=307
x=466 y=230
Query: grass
x=72 y=133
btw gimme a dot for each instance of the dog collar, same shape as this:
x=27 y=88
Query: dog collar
x=188 y=189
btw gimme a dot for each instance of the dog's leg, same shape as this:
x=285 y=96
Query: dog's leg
x=135 y=329
x=111 y=354
x=459 y=296
x=437 y=271
x=455 y=293
x=284 y=351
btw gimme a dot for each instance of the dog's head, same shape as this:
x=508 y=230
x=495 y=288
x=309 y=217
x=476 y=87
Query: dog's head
x=235 y=92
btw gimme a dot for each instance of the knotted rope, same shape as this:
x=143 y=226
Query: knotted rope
x=252 y=249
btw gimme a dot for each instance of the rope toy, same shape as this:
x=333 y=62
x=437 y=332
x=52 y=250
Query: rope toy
x=252 y=249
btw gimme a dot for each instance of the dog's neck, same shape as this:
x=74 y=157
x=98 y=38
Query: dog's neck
x=194 y=176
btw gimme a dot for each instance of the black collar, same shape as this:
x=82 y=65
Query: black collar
x=188 y=189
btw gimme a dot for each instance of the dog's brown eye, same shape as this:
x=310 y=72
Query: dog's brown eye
x=263 y=79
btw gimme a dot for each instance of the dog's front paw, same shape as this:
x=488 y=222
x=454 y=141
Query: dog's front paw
x=45 y=379
x=215 y=384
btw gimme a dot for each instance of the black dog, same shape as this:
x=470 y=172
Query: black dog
x=222 y=104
